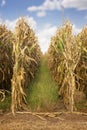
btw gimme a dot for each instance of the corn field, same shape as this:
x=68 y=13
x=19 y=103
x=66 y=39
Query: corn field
x=67 y=56
x=20 y=57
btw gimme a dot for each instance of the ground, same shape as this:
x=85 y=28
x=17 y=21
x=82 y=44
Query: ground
x=43 y=121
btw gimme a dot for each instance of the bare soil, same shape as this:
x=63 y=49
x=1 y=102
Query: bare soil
x=58 y=119
x=43 y=121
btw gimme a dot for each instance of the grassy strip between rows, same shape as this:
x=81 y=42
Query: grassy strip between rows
x=42 y=92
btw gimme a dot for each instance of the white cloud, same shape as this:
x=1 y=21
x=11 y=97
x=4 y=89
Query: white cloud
x=31 y=22
x=3 y=2
x=45 y=36
x=41 y=14
x=11 y=24
x=32 y=8
x=47 y=5
x=78 y=4
x=76 y=30
x=57 y=5
x=51 y=5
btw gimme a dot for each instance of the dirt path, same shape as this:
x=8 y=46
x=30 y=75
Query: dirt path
x=59 y=121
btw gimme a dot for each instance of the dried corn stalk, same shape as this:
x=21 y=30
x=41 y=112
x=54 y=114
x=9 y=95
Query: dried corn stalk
x=81 y=69
x=64 y=54
x=26 y=54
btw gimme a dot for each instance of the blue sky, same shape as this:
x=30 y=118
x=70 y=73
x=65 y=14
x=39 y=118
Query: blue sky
x=44 y=16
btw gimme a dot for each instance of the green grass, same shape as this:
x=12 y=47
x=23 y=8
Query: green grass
x=5 y=105
x=42 y=93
